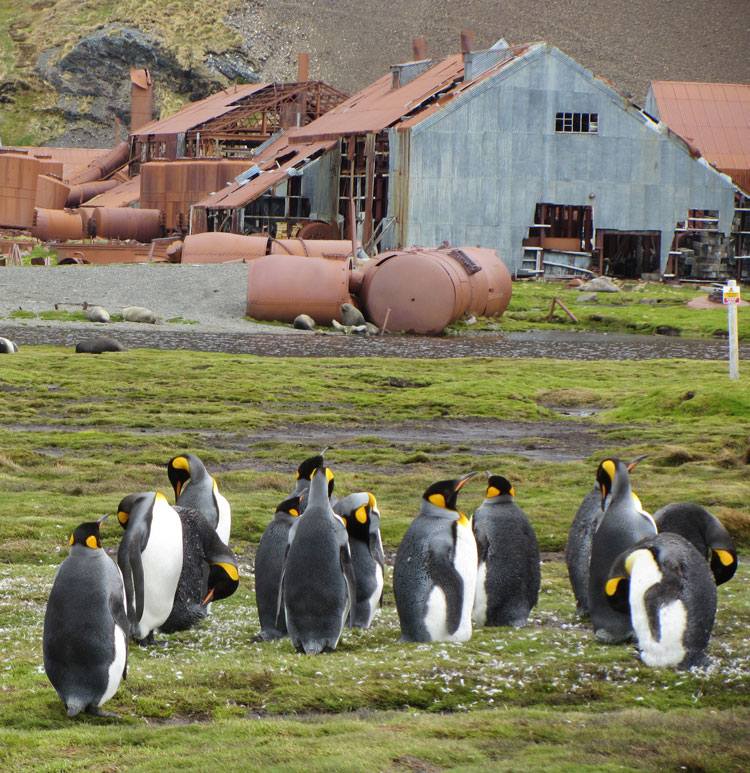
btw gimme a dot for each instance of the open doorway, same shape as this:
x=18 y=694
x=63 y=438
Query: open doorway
x=629 y=254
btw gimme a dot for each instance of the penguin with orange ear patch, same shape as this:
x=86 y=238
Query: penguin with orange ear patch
x=85 y=638
x=362 y=518
x=623 y=524
x=435 y=573
x=508 y=575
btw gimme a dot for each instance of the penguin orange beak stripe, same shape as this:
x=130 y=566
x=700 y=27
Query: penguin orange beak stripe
x=463 y=480
x=725 y=557
x=208 y=598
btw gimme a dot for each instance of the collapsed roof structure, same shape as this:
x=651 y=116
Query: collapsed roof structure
x=517 y=148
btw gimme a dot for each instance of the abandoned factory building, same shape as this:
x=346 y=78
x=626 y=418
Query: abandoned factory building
x=517 y=148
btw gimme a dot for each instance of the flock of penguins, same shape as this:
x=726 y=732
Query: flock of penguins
x=320 y=564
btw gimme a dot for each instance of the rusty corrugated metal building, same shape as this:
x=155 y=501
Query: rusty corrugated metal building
x=517 y=148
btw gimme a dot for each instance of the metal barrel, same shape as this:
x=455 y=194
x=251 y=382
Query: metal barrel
x=219 y=247
x=19 y=174
x=141 y=225
x=56 y=224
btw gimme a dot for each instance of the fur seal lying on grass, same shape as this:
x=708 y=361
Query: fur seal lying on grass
x=98 y=345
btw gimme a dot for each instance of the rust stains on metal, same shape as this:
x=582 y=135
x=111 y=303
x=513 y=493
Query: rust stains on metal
x=19 y=173
x=419 y=49
x=51 y=193
x=141 y=98
x=422 y=290
x=280 y=287
x=56 y=224
x=141 y=225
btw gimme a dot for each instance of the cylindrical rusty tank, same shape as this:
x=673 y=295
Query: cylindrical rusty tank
x=219 y=247
x=100 y=167
x=494 y=276
x=79 y=194
x=18 y=173
x=87 y=220
x=423 y=290
x=141 y=225
x=51 y=193
x=56 y=224
x=323 y=248
x=50 y=167
x=281 y=287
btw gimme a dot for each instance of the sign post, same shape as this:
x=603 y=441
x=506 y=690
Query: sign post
x=730 y=297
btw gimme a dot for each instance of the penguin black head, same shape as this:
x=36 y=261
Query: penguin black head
x=617 y=588
x=498 y=485
x=444 y=493
x=87 y=534
x=611 y=470
x=178 y=470
x=291 y=506
x=357 y=518
x=329 y=475
x=126 y=506
x=223 y=579
x=723 y=564
x=307 y=468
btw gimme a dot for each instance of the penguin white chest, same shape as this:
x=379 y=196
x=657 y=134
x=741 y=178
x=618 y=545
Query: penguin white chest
x=664 y=647
x=465 y=563
x=224 y=525
x=162 y=565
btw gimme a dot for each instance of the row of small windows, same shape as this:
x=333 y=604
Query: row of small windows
x=577 y=123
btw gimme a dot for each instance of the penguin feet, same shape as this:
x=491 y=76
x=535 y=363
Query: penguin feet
x=97 y=711
x=608 y=637
x=149 y=641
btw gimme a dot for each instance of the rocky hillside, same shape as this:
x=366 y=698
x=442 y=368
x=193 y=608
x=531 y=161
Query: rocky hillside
x=64 y=65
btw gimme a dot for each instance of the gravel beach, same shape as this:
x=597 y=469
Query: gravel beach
x=213 y=295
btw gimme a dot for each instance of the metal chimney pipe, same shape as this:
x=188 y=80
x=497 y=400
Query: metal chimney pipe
x=303 y=67
x=420 y=49
x=467 y=41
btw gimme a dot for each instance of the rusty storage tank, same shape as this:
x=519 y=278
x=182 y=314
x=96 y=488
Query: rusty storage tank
x=87 y=221
x=18 y=173
x=213 y=247
x=327 y=248
x=56 y=224
x=141 y=225
x=51 y=193
x=423 y=290
x=100 y=167
x=79 y=194
x=281 y=287
x=50 y=167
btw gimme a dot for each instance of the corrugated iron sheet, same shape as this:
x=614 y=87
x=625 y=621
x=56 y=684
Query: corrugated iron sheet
x=238 y=194
x=196 y=113
x=713 y=116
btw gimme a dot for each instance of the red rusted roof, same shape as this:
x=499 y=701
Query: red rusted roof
x=196 y=113
x=278 y=152
x=715 y=117
x=379 y=105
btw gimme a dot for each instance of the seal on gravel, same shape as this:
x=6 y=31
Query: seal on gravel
x=98 y=345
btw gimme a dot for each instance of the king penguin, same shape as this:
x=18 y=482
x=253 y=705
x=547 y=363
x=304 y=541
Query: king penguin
x=508 y=574
x=269 y=565
x=318 y=584
x=362 y=518
x=305 y=472
x=578 y=546
x=150 y=559
x=195 y=487
x=623 y=524
x=86 y=627
x=670 y=593
x=435 y=573
x=209 y=572
x=706 y=534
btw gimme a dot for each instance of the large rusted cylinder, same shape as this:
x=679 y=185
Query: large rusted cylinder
x=141 y=225
x=56 y=224
x=422 y=290
x=323 y=248
x=85 y=191
x=50 y=167
x=222 y=247
x=18 y=175
x=102 y=166
x=51 y=193
x=281 y=287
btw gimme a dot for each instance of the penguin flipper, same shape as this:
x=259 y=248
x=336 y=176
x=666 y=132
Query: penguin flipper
x=347 y=566
x=444 y=574
x=376 y=548
x=280 y=600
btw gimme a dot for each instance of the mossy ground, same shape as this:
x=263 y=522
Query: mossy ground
x=80 y=432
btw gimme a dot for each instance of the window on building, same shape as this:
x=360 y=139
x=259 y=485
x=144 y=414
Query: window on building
x=577 y=123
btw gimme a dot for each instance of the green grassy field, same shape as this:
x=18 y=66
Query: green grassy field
x=80 y=432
